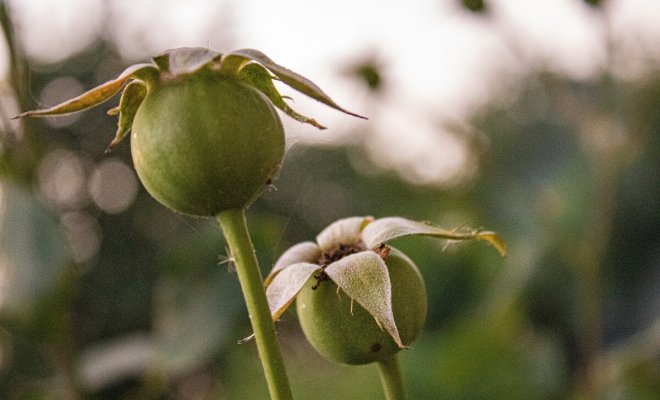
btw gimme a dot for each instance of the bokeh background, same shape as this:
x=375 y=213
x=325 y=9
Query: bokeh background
x=537 y=119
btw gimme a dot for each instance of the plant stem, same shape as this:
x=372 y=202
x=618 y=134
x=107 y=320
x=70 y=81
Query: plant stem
x=232 y=222
x=390 y=376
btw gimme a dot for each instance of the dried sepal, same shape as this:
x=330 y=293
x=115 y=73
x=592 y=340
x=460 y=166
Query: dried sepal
x=248 y=65
x=235 y=60
x=494 y=240
x=386 y=229
x=96 y=96
x=258 y=77
x=346 y=231
x=185 y=60
x=302 y=252
x=131 y=98
x=364 y=278
x=286 y=285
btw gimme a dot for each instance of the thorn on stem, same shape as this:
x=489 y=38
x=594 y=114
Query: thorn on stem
x=228 y=259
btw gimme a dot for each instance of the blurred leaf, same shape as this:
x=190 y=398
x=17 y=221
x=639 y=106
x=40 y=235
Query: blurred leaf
x=109 y=362
x=33 y=251
x=476 y=6
x=482 y=358
x=197 y=305
x=594 y=3
x=370 y=75
x=192 y=321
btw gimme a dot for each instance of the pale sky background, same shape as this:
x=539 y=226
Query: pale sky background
x=439 y=59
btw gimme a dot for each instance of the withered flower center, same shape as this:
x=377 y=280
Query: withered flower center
x=339 y=252
x=333 y=255
x=342 y=251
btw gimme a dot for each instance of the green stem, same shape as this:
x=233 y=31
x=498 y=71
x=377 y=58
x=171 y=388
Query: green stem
x=390 y=376
x=232 y=222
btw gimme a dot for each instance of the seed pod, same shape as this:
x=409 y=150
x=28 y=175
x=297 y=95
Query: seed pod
x=342 y=331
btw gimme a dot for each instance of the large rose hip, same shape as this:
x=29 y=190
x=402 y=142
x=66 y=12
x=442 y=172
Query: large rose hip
x=205 y=143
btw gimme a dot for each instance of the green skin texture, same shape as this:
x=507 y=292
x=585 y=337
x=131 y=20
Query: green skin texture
x=205 y=143
x=355 y=338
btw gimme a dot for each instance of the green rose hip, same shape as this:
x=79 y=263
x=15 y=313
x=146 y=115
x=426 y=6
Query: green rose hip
x=205 y=143
x=344 y=332
x=358 y=299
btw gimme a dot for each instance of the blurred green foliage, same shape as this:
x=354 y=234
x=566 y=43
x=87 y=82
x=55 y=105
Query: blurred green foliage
x=474 y=5
x=568 y=173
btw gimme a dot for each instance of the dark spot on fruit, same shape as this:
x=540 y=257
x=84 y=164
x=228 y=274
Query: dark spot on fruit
x=376 y=348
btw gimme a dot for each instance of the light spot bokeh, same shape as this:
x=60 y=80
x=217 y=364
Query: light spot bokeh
x=113 y=186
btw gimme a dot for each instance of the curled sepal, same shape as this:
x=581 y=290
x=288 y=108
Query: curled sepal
x=304 y=252
x=131 y=98
x=385 y=229
x=364 y=278
x=258 y=77
x=285 y=287
x=345 y=231
x=96 y=96
x=232 y=61
x=185 y=60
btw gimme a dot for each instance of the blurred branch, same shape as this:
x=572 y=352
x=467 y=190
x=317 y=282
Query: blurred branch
x=15 y=65
x=611 y=144
x=642 y=347
x=19 y=156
